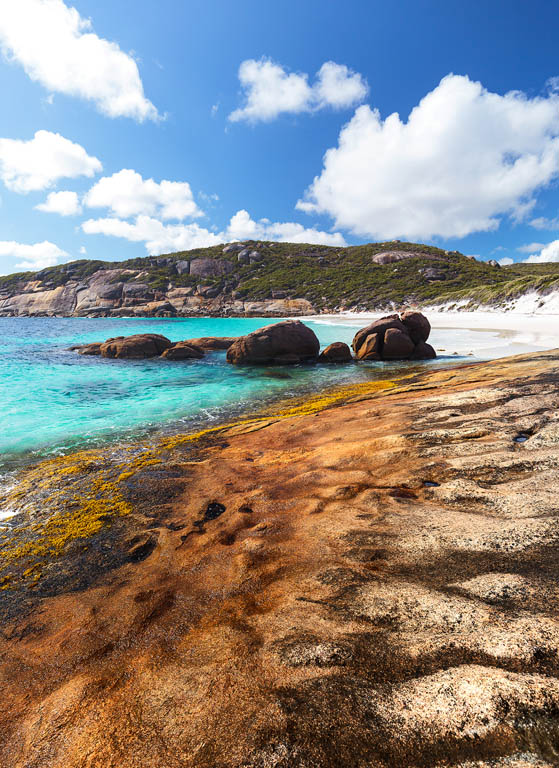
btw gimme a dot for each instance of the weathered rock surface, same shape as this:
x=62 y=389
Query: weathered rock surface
x=139 y=346
x=417 y=326
x=210 y=343
x=121 y=292
x=395 y=338
x=210 y=267
x=373 y=585
x=282 y=343
x=338 y=352
x=370 y=347
x=397 y=345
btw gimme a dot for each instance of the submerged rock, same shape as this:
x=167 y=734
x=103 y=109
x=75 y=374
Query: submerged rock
x=88 y=349
x=287 y=342
x=338 y=352
x=395 y=338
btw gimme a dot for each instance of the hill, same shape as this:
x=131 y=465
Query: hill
x=267 y=278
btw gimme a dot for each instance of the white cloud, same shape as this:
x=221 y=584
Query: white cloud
x=464 y=158
x=543 y=223
x=36 y=164
x=338 y=86
x=270 y=90
x=164 y=238
x=242 y=227
x=57 y=48
x=32 y=257
x=506 y=261
x=127 y=194
x=64 y=203
x=549 y=253
x=158 y=237
x=530 y=247
x=83 y=250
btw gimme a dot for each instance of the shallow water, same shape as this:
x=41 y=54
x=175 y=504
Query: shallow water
x=54 y=400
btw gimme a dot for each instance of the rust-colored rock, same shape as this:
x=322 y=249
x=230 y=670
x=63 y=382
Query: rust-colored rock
x=395 y=338
x=89 y=349
x=138 y=346
x=183 y=351
x=370 y=347
x=338 y=352
x=377 y=326
x=423 y=351
x=417 y=326
x=397 y=345
x=211 y=343
x=287 y=342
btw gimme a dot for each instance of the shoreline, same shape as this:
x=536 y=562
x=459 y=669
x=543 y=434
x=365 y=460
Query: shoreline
x=359 y=580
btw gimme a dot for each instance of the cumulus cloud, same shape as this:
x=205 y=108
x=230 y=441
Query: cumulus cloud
x=465 y=158
x=530 y=247
x=27 y=166
x=269 y=90
x=163 y=238
x=127 y=194
x=243 y=227
x=157 y=237
x=57 y=48
x=31 y=257
x=548 y=253
x=63 y=203
x=506 y=261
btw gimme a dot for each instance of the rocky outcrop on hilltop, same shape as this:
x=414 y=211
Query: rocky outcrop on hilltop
x=395 y=338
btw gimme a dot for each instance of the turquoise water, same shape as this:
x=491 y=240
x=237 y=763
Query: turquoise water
x=54 y=400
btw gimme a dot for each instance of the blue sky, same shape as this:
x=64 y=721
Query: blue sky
x=142 y=127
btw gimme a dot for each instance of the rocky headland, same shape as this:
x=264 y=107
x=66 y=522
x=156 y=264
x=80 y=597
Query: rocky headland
x=366 y=578
x=262 y=279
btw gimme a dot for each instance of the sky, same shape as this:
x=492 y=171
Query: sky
x=136 y=128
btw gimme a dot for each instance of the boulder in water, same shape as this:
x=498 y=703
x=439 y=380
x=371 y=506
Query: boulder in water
x=338 y=352
x=211 y=343
x=287 y=342
x=139 y=346
x=182 y=351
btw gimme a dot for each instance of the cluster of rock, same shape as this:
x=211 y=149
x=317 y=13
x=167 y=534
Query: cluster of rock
x=285 y=343
x=395 y=338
